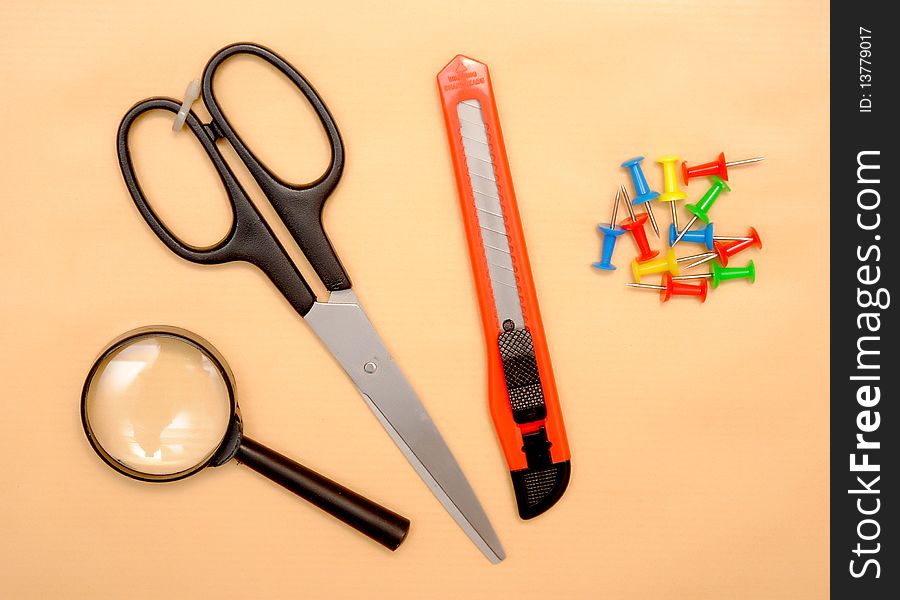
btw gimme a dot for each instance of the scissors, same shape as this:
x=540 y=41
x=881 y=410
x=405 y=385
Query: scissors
x=339 y=321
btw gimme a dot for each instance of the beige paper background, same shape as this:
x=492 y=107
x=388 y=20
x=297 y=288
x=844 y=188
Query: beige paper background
x=699 y=432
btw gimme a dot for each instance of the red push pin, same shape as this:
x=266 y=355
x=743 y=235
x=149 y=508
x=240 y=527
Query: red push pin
x=724 y=251
x=670 y=288
x=717 y=167
x=635 y=226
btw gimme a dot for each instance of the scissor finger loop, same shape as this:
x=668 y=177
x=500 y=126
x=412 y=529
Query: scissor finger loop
x=249 y=239
x=299 y=206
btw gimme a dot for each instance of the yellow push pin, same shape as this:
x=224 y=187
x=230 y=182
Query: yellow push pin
x=670 y=182
x=662 y=264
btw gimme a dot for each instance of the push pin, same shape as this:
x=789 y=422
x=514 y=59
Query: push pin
x=719 y=274
x=610 y=236
x=671 y=288
x=658 y=265
x=724 y=251
x=704 y=236
x=642 y=189
x=701 y=209
x=671 y=193
x=635 y=226
x=190 y=96
x=717 y=167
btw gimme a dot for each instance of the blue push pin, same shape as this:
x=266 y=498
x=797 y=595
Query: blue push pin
x=642 y=190
x=704 y=236
x=610 y=235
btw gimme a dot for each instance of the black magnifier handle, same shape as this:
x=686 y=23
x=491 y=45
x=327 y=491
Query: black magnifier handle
x=382 y=525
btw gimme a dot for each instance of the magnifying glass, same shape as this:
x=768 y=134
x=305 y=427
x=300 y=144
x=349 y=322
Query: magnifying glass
x=159 y=405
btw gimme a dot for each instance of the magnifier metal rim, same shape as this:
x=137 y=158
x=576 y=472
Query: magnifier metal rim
x=194 y=340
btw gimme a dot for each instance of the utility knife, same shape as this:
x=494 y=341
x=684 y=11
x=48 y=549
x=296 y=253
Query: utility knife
x=522 y=395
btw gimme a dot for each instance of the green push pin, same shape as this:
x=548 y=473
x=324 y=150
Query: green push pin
x=701 y=209
x=718 y=274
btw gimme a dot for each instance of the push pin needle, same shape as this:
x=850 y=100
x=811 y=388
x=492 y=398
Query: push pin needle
x=652 y=219
x=615 y=212
x=646 y=286
x=627 y=200
x=700 y=258
x=746 y=161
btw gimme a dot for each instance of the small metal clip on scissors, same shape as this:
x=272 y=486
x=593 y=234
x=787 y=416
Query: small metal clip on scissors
x=340 y=322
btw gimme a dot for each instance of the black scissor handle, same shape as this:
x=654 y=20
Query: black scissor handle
x=299 y=206
x=250 y=239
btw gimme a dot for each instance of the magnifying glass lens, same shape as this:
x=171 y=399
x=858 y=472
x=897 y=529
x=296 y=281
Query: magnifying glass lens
x=158 y=405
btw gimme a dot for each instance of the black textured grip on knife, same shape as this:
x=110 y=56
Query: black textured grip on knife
x=539 y=489
x=523 y=381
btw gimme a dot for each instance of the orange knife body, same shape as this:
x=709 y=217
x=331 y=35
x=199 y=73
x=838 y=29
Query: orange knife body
x=536 y=450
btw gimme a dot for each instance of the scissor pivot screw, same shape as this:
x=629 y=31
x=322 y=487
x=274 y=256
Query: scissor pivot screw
x=370 y=367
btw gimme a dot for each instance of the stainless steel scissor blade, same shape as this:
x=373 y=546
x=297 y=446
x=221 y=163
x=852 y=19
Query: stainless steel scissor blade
x=342 y=325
